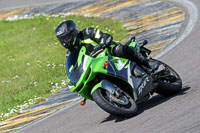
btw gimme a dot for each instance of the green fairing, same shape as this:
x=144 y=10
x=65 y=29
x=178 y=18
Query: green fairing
x=93 y=62
x=111 y=48
x=127 y=66
x=85 y=91
x=123 y=60
x=96 y=87
x=133 y=44
x=97 y=65
x=118 y=60
x=115 y=62
x=81 y=53
x=93 y=66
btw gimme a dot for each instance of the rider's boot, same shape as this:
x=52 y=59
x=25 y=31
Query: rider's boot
x=139 y=58
x=125 y=51
x=152 y=64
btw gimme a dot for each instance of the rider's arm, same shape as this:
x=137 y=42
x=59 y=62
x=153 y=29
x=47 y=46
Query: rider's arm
x=96 y=35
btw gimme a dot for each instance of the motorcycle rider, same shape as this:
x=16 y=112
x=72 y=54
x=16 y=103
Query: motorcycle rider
x=93 y=39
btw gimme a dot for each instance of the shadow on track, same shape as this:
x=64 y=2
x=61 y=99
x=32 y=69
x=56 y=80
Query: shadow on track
x=113 y=118
x=154 y=101
x=158 y=99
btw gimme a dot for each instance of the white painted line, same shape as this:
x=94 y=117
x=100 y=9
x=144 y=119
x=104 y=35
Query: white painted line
x=193 y=17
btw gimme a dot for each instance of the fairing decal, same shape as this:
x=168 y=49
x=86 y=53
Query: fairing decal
x=120 y=64
x=111 y=69
x=129 y=77
x=113 y=65
x=84 y=62
x=81 y=54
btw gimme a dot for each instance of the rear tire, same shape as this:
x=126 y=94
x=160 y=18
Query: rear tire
x=102 y=99
x=171 y=85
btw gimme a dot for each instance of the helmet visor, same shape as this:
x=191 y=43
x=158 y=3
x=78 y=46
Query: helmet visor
x=65 y=40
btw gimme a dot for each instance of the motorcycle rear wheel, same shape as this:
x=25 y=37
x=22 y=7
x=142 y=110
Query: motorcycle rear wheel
x=170 y=85
x=123 y=106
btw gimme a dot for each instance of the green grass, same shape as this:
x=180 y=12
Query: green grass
x=28 y=50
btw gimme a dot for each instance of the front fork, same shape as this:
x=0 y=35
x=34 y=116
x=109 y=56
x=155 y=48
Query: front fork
x=106 y=85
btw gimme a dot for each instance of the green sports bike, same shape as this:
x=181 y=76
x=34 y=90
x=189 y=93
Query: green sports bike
x=118 y=85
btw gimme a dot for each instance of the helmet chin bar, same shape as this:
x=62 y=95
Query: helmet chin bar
x=77 y=43
x=74 y=41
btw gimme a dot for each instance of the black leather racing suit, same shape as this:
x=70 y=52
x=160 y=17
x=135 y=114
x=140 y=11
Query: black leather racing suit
x=94 y=39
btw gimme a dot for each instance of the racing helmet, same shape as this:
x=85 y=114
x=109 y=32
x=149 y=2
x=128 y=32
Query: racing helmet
x=67 y=33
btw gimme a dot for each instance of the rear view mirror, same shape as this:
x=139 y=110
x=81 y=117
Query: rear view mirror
x=144 y=43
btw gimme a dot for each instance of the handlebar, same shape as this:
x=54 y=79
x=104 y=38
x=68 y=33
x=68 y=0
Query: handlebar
x=144 y=51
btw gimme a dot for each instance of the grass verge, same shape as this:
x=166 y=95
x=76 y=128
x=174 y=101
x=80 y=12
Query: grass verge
x=32 y=61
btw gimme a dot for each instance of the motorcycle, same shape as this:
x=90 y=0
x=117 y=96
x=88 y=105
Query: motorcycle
x=118 y=85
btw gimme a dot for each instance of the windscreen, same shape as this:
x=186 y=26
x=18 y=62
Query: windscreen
x=73 y=70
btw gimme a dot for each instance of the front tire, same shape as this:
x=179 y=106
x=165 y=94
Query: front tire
x=171 y=84
x=123 y=106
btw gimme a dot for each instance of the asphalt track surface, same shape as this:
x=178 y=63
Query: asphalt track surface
x=178 y=114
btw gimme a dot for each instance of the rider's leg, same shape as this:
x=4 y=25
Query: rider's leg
x=125 y=51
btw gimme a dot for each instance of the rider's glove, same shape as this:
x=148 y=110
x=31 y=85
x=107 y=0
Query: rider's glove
x=106 y=40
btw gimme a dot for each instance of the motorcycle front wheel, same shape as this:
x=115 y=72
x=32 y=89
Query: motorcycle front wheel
x=169 y=82
x=121 y=106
